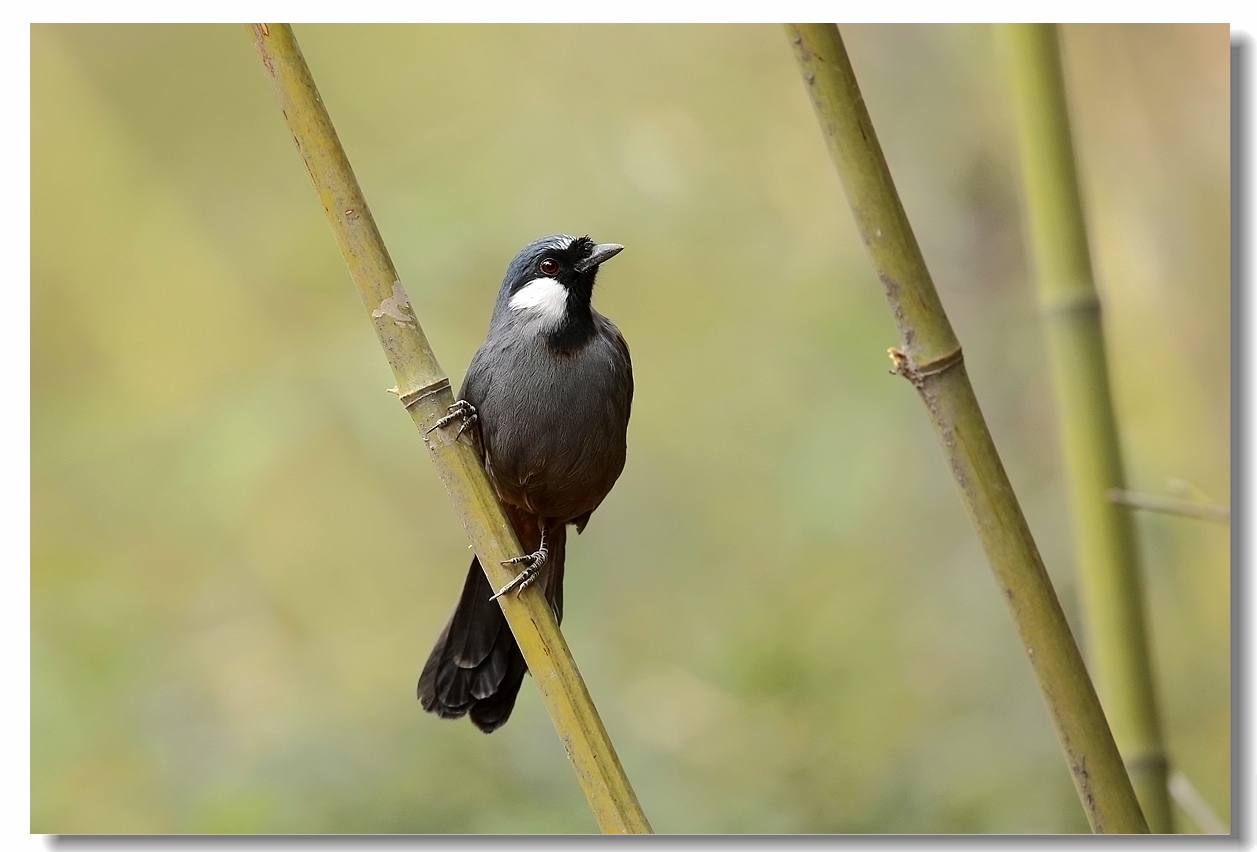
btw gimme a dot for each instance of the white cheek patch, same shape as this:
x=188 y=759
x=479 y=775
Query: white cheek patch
x=543 y=298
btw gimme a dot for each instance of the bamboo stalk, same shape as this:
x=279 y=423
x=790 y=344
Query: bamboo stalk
x=1105 y=549
x=425 y=392
x=930 y=357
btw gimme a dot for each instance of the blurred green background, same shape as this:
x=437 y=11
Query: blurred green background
x=240 y=554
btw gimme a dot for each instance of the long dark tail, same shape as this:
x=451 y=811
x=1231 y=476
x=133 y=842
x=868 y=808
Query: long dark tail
x=476 y=667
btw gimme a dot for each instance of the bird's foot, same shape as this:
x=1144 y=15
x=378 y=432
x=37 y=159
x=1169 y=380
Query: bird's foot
x=460 y=410
x=533 y=563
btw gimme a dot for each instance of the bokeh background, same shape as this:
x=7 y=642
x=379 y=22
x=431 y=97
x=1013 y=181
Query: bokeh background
x=240 y=554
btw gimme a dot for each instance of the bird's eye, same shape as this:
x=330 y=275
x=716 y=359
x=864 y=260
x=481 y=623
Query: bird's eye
x=549 y=266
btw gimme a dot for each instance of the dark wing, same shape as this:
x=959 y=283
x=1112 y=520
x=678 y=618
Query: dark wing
x=622 y=363
x=619 y=346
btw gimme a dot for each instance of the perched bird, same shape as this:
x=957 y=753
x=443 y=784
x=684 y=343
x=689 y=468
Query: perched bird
x=546 y=402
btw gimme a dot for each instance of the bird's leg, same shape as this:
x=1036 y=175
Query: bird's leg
x=460 y=410
x=533 y=563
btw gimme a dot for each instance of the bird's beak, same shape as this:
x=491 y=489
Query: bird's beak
x=602 y=252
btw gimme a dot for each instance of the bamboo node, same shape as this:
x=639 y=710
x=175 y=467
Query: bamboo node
x=902 y=365
x=410 y=398
x=1078 y=303
x=1150 y=763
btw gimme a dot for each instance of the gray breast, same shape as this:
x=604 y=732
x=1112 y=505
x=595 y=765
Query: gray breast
x=553 y=426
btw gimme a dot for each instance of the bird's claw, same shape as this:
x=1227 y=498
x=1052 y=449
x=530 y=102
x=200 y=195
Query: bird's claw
x=460 y=410
x=533 y=563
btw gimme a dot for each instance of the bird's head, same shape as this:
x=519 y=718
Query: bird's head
x=551 y=282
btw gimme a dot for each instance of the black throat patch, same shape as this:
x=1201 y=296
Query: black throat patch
x=576 y=328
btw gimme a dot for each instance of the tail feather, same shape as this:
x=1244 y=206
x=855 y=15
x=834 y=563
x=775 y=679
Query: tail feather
x=476 y=667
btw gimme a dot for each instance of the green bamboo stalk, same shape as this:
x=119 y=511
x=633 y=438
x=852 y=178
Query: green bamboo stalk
x=1105 y=549
x=424 y=390
x=930 y=357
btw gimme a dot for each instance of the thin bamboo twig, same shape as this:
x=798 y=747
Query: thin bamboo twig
x=930 y=357
x=1106 y=552
x=1170 y=505
x=1190 y=800
x=425 y=392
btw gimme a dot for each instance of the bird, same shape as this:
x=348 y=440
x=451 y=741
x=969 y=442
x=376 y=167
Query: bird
x=545 y=401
